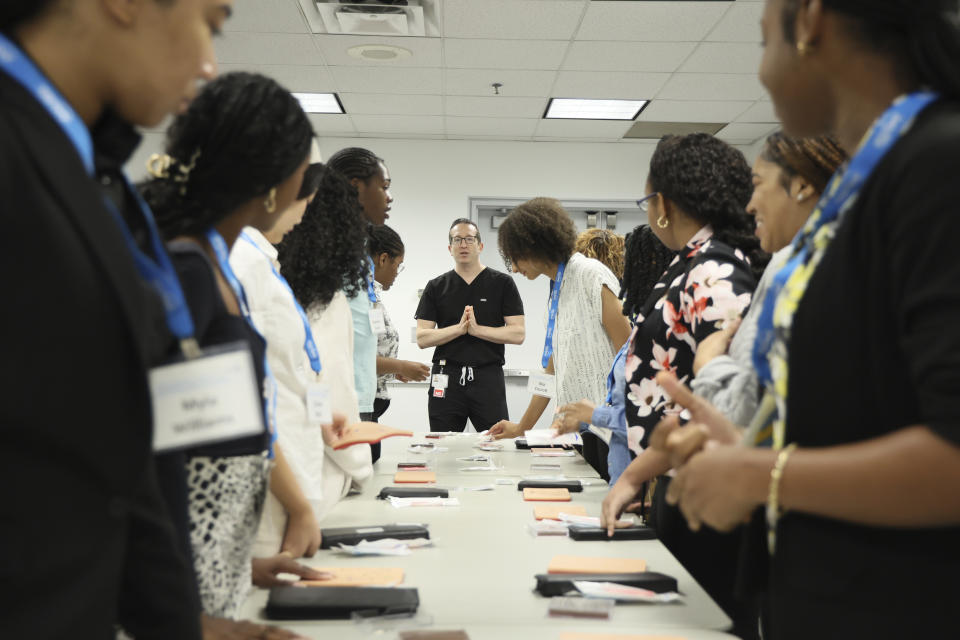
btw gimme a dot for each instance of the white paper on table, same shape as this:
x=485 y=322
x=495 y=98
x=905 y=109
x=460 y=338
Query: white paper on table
x=475 y=458
x=542 y=437
x=554 y=453
x=622 y=592
x=400 y=503
x=478 y=468
x=482 y=487
x=384 y=547
x=489 y=446
x=590 y=521
x=547 y=528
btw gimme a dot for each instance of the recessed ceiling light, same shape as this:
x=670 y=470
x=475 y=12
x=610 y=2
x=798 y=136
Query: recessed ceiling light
x=379 y=52
x=319 y=102
x=582 y=109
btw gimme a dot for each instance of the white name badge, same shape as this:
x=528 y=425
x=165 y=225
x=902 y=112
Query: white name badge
x=542 y=384
x=319 y=411
x=204 y=400
x=440 y=380
x=377 y=322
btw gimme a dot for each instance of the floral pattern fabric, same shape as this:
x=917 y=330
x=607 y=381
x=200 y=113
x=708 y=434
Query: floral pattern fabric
x=707 y=284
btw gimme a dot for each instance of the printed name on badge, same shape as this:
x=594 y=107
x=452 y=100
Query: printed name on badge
x=377 y=321
x=319 y=410
x=542 y=384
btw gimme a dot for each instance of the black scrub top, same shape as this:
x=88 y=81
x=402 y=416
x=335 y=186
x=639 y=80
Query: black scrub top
x=875 y=348
x=493 y=296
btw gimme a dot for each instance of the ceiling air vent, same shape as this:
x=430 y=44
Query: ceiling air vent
x=373 y=17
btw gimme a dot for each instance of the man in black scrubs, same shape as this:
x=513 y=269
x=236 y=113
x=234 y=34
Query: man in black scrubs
x=468 y=314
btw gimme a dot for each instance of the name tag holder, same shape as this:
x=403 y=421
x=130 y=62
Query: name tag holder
x=542 y=384
x=378 y=322
x=207 y=399
x=319 y=404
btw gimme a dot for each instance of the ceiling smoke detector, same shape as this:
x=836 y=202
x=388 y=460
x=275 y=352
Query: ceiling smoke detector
x=379 y=52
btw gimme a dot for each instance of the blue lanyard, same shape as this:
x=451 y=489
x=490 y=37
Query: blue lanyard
x=371 y=292
x=838 y=195
x=552 y=317
x=308 y=344
x=611 y=378
x=223 y=259
x=159 y=272
x=21 y=68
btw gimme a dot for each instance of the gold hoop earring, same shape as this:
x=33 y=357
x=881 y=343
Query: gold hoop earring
x=270 y=203
x=662 y=222
x=802 y=48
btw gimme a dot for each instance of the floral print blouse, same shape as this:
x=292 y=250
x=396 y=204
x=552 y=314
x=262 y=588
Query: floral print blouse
x=708 y=283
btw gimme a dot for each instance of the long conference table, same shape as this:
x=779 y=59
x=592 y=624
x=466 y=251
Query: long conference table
x=478 y=575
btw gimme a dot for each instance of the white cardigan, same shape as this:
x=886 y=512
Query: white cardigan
x=324 y=475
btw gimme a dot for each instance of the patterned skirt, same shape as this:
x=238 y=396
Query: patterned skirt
x=226 y=500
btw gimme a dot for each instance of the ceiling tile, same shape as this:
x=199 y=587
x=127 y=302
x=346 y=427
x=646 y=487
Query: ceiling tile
x=327 y=124
x=312 y=79
x=397 y=105
x=740 y=24
x=517 y=127
x=477 y=82
x=724 y=57
x=650 y=21
x=711 y=86
x=503 y=54
x=511 y=19
x=608 y=84
x=745 y=132
x=266 y=16
x=583 y=129
x=402 y=80
x=495 y=107
x=267 y=48
x=627 y=56
x=426 y=51
x=693 y=111
x=398 y=124
x=761 y=111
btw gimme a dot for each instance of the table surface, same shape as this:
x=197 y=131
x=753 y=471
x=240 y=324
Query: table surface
x=479 y=573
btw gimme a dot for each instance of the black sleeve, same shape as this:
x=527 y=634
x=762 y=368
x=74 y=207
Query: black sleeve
x=199 y=288
x=922 y=225
x=427 y=309
x=158 y=592
x=512 y=304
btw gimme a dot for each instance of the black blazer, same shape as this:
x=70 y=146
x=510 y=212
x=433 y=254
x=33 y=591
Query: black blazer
x=85 y=540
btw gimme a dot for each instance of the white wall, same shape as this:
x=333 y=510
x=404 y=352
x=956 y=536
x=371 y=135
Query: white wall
x=432 y=183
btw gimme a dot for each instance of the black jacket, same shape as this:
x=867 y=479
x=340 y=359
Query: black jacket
x=85 y=540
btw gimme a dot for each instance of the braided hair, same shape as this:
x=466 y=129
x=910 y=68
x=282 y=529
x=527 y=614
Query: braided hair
x=921 y=36
x=539 y=229
x=712 y=183
x=326 y=252
x=813 y=159
x=645 y=259
x=355 y=162
x=603 y=245
x=243 y=135
x=383 y=239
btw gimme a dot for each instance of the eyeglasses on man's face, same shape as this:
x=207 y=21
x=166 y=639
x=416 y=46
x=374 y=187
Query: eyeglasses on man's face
x=644 y=202
x=468 y=240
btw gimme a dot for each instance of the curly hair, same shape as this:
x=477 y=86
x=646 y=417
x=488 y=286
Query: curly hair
x=712 y=183
x=645 y=258
x=603 y=245
x=921 y=36
x=327 y=251
x=813 y=159
x=383 y=239
x=539 y=229
x=243 y=135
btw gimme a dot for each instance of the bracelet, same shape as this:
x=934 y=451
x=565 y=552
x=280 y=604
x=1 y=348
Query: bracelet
x=773 y=495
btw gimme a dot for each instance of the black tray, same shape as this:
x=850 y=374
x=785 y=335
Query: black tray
x=557 y=584
x=331 y=537
x=332 y=603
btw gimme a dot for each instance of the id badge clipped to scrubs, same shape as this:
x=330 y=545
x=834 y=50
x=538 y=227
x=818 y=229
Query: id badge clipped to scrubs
x=205 y=399
x=319 y=411
x=439 y=383
x=542 y=384
x=377 y=321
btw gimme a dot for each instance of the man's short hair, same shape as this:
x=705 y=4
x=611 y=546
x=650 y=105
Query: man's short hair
x=464 y=221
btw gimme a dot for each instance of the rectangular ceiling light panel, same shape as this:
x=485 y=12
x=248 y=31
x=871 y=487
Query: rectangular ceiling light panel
x=583 y=109
x=319 y=102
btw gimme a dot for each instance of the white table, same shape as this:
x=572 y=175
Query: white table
x=479 y=575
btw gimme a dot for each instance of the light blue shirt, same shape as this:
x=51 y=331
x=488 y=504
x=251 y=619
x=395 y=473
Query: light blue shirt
x=364 y=352
x=613 y=416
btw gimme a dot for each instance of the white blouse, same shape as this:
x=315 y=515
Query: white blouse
x=582 y=350
x=324 y=475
